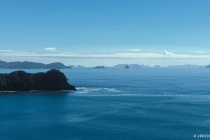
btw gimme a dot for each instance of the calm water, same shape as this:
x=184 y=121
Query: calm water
x=114 y=104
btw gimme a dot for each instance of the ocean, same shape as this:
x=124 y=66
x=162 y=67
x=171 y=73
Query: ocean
x=112 y=104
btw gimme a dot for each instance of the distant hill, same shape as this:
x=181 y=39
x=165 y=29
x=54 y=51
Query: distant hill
x=158 y=66
x=185 y=66
x=131 y=66
x=31 y=65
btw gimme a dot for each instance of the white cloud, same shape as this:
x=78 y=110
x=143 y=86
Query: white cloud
x=200 y=52
x=6 y=51
x=50 y=49
x=135 y=50
x=89 y=58
x=126 y=55
x=167 y=53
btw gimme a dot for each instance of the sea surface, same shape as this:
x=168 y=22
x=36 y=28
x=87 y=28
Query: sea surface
x=112 y=104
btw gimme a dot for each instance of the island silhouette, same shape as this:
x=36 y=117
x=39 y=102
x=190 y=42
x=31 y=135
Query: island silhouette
x=21 y=81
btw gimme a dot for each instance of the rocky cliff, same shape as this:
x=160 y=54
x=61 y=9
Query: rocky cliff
x=22 y=81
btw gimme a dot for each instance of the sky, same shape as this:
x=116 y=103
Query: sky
x=106 y=32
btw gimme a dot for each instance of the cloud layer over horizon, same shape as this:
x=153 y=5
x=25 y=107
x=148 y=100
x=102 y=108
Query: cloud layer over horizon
x=50 y=49
x=91 y=59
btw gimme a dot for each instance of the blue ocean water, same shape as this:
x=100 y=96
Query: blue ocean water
x=112 y=104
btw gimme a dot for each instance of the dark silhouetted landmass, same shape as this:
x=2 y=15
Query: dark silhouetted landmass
x=100 y=67
x=31 y=65
x=126 y=67
x=130 y=66
x=22 y=81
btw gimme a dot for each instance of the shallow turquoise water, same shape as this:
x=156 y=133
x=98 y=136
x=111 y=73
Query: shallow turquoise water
x=114 y=104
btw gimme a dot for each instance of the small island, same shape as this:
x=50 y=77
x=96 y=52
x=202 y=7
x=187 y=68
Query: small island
x=126 y=67
x=100 y=67
x=52 y=80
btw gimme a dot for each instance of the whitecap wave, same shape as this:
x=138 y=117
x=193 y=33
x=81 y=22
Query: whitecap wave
x=94 y=89
x=99 y=91
x=7 y=91
x=74 y=118
x=149 y=95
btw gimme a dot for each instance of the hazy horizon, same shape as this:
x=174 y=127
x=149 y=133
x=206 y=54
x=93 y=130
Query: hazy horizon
x=114 y=65
x=111 y=32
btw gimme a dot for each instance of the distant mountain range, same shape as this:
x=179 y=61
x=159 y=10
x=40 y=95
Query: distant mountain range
x=186 y=66
x=31 y=65
x=58 y=65
x=157 y=66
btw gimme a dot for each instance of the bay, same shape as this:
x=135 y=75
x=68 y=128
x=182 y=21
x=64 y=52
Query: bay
x=122 y=104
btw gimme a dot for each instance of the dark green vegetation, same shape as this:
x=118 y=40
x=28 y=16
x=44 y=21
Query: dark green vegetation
x=22 y=81
x=31 y=65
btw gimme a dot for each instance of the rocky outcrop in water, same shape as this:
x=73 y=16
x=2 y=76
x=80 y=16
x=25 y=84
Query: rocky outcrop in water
x=100 y=67
x=22 y=81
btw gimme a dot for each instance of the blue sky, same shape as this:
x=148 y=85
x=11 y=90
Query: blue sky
x=105 y=32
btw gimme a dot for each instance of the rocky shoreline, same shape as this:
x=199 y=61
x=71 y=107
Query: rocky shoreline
x=52 y=80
